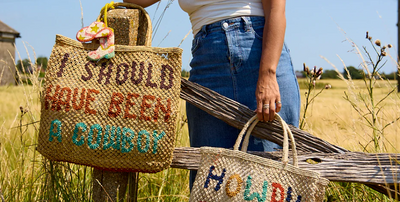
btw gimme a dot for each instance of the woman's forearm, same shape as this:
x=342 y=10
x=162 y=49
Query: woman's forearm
x=142 y=3
x=273 y=36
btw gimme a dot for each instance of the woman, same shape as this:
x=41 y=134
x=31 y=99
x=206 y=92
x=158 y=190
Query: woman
x=238 y=51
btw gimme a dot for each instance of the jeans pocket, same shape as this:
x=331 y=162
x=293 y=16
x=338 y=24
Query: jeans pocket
x=258 y=31
x=196 y=42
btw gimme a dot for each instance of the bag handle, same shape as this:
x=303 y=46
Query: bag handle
x=112 y=5
x=286 y=132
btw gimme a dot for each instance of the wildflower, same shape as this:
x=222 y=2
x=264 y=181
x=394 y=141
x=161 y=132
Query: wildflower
x=314 y=71
x=366 y=35
x=306 y=69
x=328 y=86
x=389 y=45
x=319 y=72
x=378 y=42
x=383 y=53
x=313 y=83
x=21 y=108
x=370 y=38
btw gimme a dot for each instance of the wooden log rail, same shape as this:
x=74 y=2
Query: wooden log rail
x=236 y=115
x=344 y=167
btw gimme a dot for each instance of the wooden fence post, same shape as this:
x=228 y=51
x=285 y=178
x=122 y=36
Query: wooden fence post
x=108 y=185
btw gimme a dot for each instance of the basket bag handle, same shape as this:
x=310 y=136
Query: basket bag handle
x=112 y=5
x=286 y=132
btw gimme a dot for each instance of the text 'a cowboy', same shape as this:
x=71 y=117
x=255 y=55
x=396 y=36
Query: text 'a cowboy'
x=108 y=137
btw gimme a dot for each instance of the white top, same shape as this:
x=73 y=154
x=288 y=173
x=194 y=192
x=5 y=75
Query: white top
x=203 y=12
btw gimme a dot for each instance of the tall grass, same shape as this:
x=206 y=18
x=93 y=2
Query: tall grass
x=332 y=118
x=372 y=125
x=27 y=176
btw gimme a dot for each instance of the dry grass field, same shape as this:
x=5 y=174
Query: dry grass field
x=24 y=176
x=333 y=119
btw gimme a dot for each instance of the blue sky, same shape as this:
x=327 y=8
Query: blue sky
x=315 y=28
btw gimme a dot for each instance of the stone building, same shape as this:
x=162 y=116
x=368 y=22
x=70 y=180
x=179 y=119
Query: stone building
x=7 y=53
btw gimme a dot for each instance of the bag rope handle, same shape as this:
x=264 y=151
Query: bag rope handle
x=286 y=132
x=112 y=5
x=244 y=129
x=104 y=10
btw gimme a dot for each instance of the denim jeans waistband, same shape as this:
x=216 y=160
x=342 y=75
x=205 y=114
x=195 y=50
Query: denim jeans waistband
x=246 y=21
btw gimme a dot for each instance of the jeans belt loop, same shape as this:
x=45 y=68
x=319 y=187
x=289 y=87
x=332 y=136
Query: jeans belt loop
x=204 y=31
x=247 y=22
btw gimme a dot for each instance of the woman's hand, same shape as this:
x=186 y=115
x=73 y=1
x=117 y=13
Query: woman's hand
x=268 y=97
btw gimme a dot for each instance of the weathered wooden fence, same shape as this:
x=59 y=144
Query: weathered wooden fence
x=378 y=171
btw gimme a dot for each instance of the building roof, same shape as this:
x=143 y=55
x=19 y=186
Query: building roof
x=7 y=29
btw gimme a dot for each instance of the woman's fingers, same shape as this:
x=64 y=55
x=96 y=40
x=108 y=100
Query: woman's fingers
x=268 y=99
x=278 y=106
x=266 y=110
x=271 y=112
x=259 y=111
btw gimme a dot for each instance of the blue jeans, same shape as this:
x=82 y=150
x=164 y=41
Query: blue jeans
x=226 y=59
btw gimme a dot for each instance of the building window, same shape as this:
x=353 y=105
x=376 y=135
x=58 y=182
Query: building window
x=7 y=35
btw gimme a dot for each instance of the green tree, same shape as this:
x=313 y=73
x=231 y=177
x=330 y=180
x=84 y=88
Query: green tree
x=354 y=73
x=42 y=61
x=390 y=76
x=330 y=74
x=185 y=73
x=23 y=65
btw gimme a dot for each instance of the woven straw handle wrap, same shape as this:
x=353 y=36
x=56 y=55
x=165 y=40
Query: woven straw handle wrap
x=244 y=129
x=286 y=132
x=144 y=12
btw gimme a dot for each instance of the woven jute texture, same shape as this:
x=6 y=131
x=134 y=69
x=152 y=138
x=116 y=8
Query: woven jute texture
x=232 y=175
x=116 y=114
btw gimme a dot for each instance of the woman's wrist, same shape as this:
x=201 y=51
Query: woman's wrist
x=267 y=71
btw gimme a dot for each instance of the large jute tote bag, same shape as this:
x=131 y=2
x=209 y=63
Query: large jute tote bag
x=233 y=175
x=117 y=114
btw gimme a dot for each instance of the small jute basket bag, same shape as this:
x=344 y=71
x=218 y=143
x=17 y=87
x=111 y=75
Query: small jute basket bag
x=117 y=114
x=233 y=175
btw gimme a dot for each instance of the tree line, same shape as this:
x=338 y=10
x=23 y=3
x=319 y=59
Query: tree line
x=354 y=74
x=26 y=66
